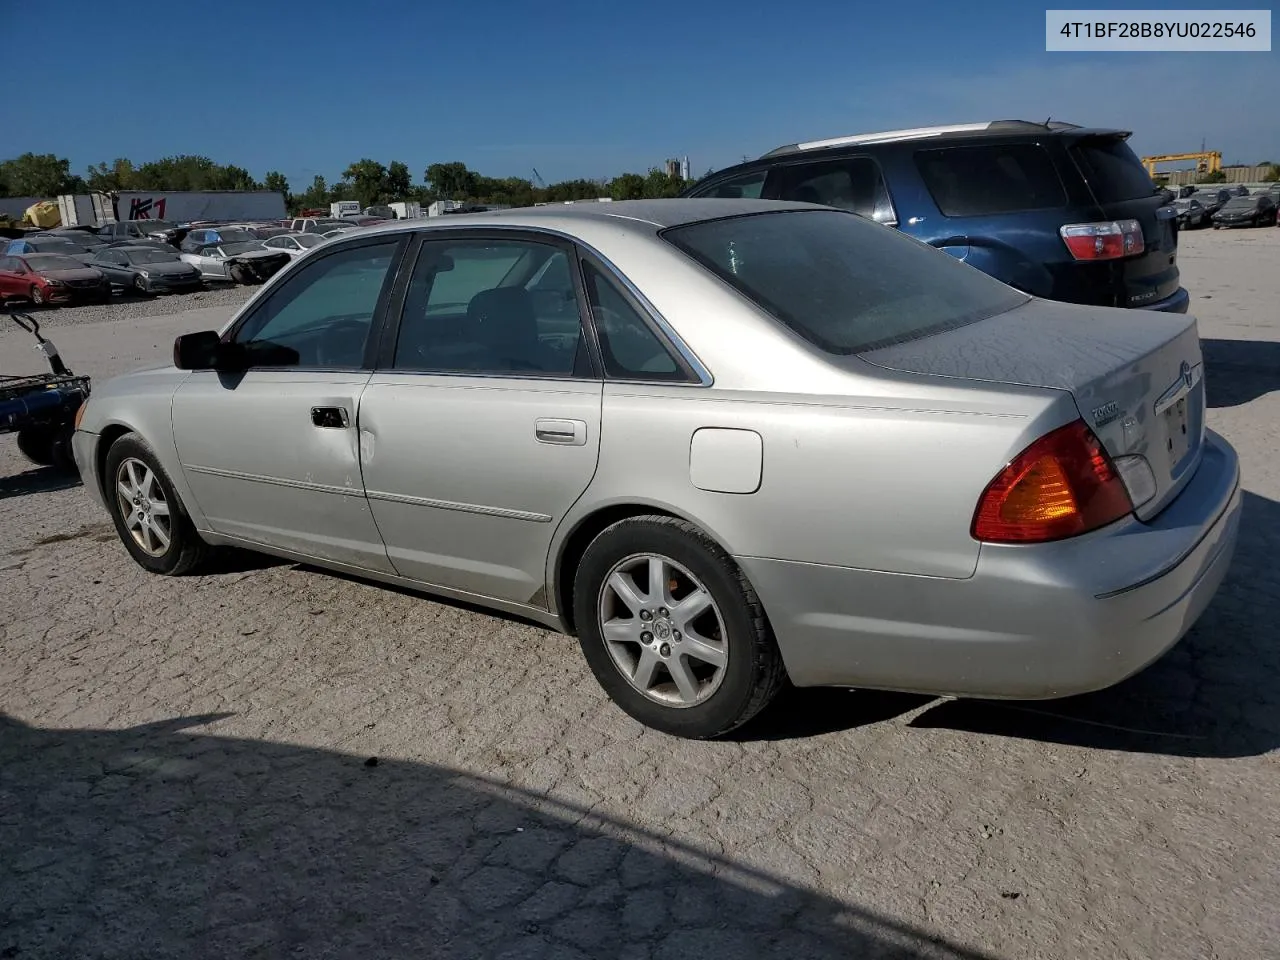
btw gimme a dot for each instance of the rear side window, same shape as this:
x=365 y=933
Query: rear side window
x=1113 y=170
x=991 y=178
x=843 y=283
x=746 y=187
x=854 y=184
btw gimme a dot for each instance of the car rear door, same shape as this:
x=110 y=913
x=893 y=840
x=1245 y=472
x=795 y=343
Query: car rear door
x=1122 y=190
x=481 y=426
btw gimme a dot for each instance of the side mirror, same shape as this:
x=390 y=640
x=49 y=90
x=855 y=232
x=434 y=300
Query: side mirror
x=197 y=351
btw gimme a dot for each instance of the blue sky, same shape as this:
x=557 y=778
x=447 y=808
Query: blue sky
x=580 y=89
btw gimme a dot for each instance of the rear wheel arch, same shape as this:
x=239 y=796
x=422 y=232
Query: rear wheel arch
x=586 y=530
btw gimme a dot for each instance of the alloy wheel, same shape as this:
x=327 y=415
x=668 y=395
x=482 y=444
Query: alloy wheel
x=663 y=630
x=144 y=507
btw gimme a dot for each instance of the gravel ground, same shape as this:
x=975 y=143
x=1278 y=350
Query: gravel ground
x=133 y=308
x=187 y=766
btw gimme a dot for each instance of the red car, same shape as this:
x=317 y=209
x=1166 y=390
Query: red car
x=51 y=278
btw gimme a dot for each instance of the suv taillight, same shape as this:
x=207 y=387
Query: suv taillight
x=1061 y=486
x=1103 y=241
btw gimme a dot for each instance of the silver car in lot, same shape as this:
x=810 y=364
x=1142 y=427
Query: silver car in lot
x=724 y=442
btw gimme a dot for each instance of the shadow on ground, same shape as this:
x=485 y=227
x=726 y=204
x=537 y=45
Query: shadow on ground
x=154 y=842
x=37 y=480
x=1216 y=694
x=1238 y=371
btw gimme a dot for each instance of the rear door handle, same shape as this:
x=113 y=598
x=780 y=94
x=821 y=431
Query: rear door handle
x=335 y=417
x=571 y=433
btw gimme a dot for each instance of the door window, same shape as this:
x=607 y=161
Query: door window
x=321 y=316
x=749 y=186
x=629 y=347
x=855 y=184
x=492 y=307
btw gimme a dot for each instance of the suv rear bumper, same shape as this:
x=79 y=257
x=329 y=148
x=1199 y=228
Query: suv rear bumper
x=1176 y=303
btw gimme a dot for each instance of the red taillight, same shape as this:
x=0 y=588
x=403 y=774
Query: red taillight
x=1103 y=241
x=1062 y=485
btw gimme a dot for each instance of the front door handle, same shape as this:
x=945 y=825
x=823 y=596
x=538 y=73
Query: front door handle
x=572 y=433
x=336 y=417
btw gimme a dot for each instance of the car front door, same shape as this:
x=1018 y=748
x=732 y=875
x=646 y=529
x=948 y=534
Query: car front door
x=272 y=453
x=481 y=427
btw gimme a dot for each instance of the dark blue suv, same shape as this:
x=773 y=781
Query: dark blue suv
x=1055 y=209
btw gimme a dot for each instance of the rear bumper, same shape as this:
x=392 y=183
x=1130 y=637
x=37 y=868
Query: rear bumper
x=1033 y=622
x=1177 y=303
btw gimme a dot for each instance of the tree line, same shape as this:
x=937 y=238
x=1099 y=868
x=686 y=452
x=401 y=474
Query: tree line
x=366 y=181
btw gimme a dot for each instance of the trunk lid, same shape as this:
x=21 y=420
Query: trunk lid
x=1136 y=376
x=1122 y=190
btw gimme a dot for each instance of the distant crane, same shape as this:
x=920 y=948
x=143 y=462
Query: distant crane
x=1207 y=161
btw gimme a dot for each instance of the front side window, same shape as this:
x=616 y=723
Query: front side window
x=749 y=186
x=854 y=184
x=492 y=307
x=991 y=178
x=629 y=347
x=321 y=316
x=842 y=283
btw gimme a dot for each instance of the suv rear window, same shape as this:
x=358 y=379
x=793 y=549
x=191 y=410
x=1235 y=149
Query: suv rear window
x=991 y=178
x=842 y=282
x=1113 y=170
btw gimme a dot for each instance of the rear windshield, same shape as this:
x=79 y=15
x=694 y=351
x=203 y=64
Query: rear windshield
x=991 y=178
x=842 y=282
x=1113 y=170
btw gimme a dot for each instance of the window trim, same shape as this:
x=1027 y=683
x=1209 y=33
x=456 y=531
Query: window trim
x=384 y=362
x=377 y=322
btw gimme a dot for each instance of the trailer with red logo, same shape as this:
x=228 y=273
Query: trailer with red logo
x=174 y=206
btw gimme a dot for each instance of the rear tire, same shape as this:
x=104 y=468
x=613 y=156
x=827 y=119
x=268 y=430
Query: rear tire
x=151 y=521
x=36 y=444
x=708 y=672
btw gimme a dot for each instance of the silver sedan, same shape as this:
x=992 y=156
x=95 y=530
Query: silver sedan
x=724 y=443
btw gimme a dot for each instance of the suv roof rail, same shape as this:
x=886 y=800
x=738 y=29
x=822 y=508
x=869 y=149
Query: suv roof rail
x=923 y=133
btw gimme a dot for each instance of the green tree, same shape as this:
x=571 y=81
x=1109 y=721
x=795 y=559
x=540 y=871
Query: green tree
x=316 y=195
x=1273 y=174
x=368 y=180
x=452 y=181
x=38 y=175
x=1217 y=176
x=118 y=175
x=275 y=180
x=399 y=183
x=627 y=186
x=660 y=184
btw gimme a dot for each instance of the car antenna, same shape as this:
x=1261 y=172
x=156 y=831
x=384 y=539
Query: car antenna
x=1046 y=122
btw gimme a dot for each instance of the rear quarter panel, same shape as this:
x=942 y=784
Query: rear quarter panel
x=846 y=480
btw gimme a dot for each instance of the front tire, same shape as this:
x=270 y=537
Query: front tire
x=140 y=286
x=37 y=296
x=672 y=630
x=151 y=521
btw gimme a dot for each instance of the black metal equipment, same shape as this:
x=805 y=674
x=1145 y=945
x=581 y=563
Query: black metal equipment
x=41 y=408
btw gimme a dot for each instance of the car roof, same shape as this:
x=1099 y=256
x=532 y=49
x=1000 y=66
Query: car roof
x=637 y=216
x=985 y=128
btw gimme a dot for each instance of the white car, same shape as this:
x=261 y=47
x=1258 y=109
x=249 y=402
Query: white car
x=240 y=261
x=294 y=244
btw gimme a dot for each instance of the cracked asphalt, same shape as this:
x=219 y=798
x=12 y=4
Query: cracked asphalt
x=187 y=767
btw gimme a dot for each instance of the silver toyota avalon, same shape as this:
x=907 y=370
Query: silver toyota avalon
x=724 y=443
